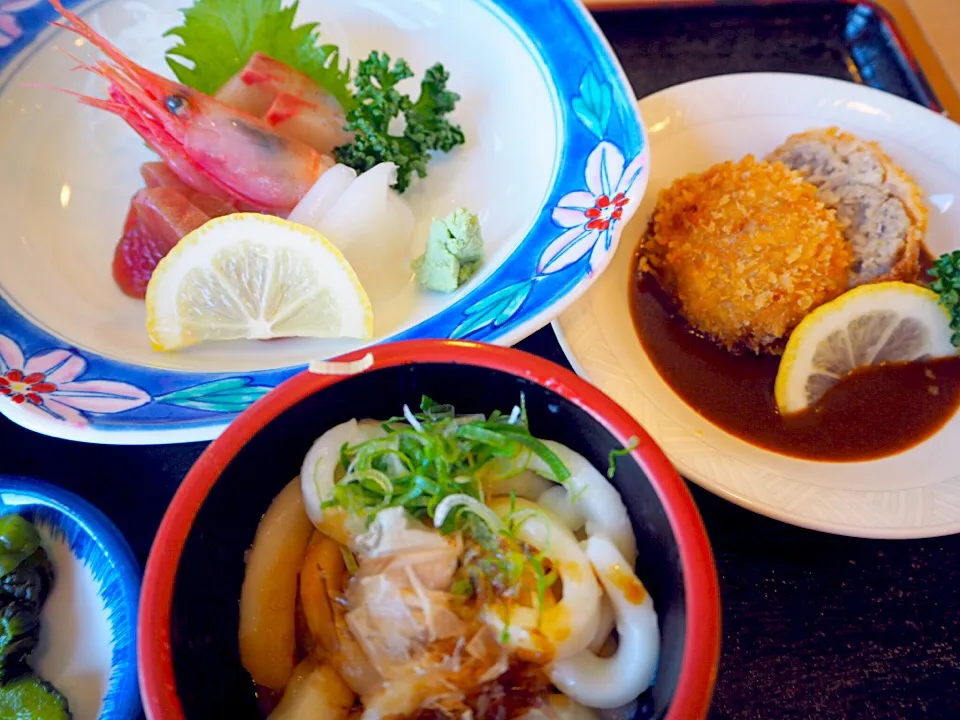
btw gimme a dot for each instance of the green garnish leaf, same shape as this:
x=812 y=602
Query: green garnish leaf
x=946 y=283
x=218 y=37
x=378 y=103
x=614 y=454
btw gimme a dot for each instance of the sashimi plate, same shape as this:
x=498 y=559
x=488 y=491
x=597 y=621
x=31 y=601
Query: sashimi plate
x=555 y=164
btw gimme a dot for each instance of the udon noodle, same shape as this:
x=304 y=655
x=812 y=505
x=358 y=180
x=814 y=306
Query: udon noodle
x=434 y=566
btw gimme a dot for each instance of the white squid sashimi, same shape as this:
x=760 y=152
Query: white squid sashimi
x=593 y=497
x=325 y=193
x=617 y=680
x=372 y=226
x=317 y=477
x=562 y=630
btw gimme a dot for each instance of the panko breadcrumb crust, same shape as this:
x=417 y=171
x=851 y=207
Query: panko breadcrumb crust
x=896 y=181
x=747 y=250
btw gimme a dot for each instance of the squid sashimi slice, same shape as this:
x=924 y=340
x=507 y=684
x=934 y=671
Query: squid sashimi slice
x=326 y=191
x=372 y=226
x=157 y=219
x=315 y=124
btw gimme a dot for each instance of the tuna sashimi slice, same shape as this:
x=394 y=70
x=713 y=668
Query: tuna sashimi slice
x=158 y=218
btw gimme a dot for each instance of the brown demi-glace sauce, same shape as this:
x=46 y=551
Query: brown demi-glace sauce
x=873 y=413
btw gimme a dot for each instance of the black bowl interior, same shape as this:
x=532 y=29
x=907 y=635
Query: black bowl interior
x=211 y=682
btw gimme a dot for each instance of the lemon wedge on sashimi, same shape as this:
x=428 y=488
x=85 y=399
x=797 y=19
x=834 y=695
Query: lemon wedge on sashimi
x=258 y=277
x=887 y=322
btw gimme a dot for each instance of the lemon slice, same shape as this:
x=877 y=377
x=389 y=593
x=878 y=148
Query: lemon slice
x=254 y=276
x=873 y=324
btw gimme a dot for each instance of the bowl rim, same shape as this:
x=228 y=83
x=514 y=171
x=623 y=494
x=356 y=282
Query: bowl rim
x=701 y=651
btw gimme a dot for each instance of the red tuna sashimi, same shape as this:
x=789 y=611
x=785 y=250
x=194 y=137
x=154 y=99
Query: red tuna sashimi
x=307 y=122
x=158 y=218
x=158 y=174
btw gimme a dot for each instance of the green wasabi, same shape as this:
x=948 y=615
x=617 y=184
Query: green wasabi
x=454 y=252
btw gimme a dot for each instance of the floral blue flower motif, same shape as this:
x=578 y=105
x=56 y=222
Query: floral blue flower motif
x=227 y=395
x=495 y=309
x=591 y=215
x=10 y=29
x=47 y=384
x=594 y=104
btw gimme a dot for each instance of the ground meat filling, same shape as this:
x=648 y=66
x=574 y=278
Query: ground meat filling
x=877 y=204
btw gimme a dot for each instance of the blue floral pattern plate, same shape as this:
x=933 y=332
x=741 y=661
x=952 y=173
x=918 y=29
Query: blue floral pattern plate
x=554 y=184
x=88 y=647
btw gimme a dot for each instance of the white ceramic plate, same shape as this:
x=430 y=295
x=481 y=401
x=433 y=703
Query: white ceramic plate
x=554 y=165
x=693 y=126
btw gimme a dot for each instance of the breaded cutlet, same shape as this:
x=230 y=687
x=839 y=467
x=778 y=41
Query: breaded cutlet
x=879 y=206
x=747 y=249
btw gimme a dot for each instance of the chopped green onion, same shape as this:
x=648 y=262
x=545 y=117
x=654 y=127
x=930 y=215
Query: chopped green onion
x=614 y=454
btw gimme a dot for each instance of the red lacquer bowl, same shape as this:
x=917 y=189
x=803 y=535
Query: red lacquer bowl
x=189 y=613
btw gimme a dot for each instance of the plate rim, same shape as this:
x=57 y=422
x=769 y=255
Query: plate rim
x=703 y=479
x=597 y=115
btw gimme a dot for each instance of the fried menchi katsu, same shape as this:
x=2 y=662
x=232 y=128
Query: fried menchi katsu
x=747 y=249
x=879 y=206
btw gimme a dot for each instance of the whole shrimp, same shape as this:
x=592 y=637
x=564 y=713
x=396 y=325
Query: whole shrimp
x=212 y=147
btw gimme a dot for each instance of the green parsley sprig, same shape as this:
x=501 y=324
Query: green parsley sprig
x=379 y=103
x=946 y=282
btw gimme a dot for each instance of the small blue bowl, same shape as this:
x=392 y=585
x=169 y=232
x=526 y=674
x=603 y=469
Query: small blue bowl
x=88 y=626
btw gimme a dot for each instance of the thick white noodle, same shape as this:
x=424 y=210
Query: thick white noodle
x=526 y=484
x=320 y=463
x=608 y=683
x=570 y=625
x=608 y=621
x=557 y=500
x=594 y=497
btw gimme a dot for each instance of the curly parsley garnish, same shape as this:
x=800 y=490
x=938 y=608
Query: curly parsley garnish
x=946 y=282
x=379 y=103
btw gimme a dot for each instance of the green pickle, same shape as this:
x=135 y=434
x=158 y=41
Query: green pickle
x=19 y=539
x=29 y=697
x=26 y=576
